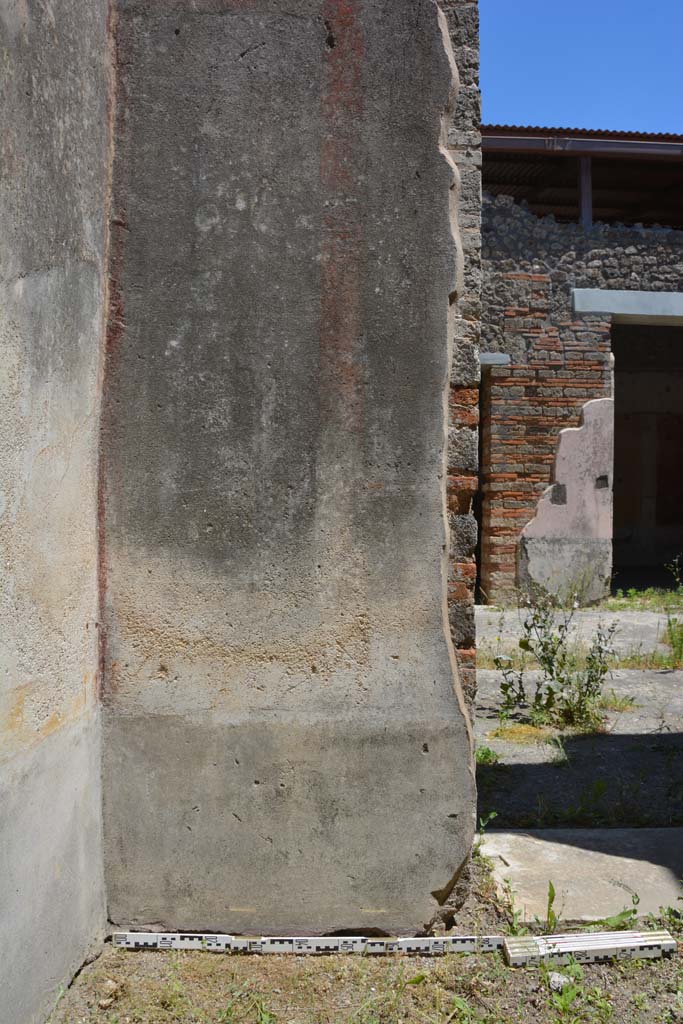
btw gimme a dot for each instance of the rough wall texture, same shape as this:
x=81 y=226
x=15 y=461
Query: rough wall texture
x=286 y=747
x=566 y=549
x=559 y=361
x=53 y=153
x=463 y=451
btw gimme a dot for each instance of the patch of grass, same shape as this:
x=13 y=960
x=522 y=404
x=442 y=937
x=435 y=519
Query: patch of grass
x=172 y=996
x=670 y=918
x=551 y=923
x=245 y=1006
x=601 y=804
x=483 y=825
x=674 y=636
x=513 y=913
x=626 y=918
x=484 y=755
x=566 y=693
x=660 y=661
x=577 y=1002
x=487 y=657
x=651 y=599
x=612 y=701
x=675 y=1014
x=656 y=599
x=522 y=732
x=638 y=659
x=560 y=757
x=207 y=988
x=294 y=990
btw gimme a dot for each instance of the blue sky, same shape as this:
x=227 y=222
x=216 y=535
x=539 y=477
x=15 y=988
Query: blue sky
x=583 y=63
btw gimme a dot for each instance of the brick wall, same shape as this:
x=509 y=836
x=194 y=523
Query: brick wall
x=558 y=361
x=465 y=146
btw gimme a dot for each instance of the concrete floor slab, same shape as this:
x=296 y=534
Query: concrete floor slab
x=626 y=774
x=656 y=695
x=594 y=871
x=637 y=630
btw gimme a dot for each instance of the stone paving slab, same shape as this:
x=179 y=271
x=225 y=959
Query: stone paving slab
x=629 y=774
x=657 y=696
x=594 y=871
x=637 y=631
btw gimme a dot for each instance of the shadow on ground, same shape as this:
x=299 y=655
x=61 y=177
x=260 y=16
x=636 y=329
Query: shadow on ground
x=598 y=780
x=630 y=774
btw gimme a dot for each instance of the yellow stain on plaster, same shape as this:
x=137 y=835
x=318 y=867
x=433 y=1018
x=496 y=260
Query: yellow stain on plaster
x=14 y=719
x=320 y=655
x=19 y=728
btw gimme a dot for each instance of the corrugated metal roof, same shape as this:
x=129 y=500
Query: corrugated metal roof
x=635 y=179
x=586 y=133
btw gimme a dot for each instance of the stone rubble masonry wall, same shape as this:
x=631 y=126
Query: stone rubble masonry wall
x=559 y=361
x=463 y=456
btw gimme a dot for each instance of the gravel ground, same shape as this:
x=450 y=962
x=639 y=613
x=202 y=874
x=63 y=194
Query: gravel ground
x=629 y=773
x=203 y=988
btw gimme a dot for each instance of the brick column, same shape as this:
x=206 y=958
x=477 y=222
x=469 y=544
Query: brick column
x=526 y=405
x=463 y=458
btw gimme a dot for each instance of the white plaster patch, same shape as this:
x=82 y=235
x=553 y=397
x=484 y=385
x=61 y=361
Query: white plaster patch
x=176 y=340
x=567 y=546
x=207 y=218
x=208 y=127
x=583 y=508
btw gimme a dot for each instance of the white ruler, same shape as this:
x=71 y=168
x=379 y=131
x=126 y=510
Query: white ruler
x=312 y=945
x=522 y=951
x=587 y=947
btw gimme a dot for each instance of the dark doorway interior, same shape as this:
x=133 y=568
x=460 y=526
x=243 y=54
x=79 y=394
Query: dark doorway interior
x=648 y=453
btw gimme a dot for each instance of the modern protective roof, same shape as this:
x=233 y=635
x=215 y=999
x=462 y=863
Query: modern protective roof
x=635 y=177
x=592 y=133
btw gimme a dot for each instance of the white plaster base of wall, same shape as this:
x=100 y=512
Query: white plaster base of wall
x=566 y=549
x=52 y=904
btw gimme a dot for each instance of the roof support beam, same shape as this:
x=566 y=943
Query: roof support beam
x=586 y=191
x=553 y=145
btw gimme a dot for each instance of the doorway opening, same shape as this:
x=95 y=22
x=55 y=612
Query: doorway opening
x=648 y=454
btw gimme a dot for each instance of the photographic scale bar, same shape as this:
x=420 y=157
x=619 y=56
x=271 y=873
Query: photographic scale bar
x=595 y=947
x=312 y=945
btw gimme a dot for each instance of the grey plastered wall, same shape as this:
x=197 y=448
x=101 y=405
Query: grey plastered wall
x=286 y=746
x=53 y=155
